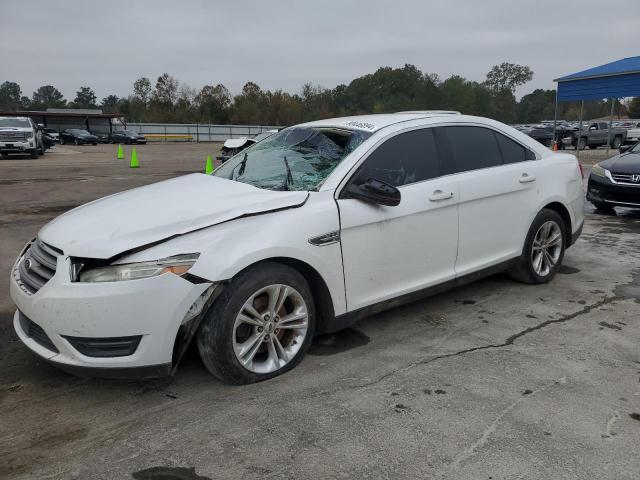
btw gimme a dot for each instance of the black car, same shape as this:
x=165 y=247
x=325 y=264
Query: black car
x=78 y=136
x=127 y=136
x=541 y=133
x=616 y=182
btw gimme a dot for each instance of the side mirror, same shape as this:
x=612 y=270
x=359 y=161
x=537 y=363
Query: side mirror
x=375 y=191
x=625 y=148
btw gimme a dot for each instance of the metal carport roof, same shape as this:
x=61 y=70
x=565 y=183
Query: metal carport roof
x=612 y=80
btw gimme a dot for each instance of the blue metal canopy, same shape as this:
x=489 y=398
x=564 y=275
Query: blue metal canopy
x=612 y=80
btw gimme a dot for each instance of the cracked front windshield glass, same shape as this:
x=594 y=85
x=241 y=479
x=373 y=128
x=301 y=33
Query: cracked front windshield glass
x=297 y=158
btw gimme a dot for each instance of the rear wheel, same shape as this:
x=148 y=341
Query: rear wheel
x=76 y=141
x=617 y=141
x=260 y=326
x=543 y=249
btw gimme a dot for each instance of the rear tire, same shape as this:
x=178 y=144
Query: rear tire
x=543 y=249
x=237 y=349
x=617 y=141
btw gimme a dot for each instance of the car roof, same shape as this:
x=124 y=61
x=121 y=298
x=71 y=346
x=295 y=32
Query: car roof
x=373 y=123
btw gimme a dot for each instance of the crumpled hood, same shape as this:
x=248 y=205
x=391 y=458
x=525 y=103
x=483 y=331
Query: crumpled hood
x=134 y=218
x=623 y=163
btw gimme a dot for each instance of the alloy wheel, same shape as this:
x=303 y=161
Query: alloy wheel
x=270 y=328
x=546 y=248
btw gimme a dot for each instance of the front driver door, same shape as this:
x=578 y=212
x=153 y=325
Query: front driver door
x=391 y=251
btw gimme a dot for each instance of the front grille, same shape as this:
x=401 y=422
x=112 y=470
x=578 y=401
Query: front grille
x=13 y=136
x=626 y=178
x=36 y=333
x=37 y=266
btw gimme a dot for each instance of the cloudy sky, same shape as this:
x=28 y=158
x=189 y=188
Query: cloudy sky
x=283 y=44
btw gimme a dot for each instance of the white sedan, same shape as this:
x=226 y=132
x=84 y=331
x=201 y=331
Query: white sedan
x=307 y=231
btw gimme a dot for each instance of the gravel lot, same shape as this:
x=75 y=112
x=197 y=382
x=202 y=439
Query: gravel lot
x=496 y=380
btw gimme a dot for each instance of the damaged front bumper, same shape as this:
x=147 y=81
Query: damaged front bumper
x=126 y=329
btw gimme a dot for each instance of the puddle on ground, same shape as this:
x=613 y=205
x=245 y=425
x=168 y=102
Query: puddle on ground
x=568 y=270
x=168 y=473
x=338 y=342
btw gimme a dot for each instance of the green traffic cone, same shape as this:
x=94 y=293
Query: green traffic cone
x=134 y=159
x=209 y=168
x=120 y=155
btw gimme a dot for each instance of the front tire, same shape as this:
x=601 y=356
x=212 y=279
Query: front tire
x=543 y=249
x=259 y=327
x=33 y=153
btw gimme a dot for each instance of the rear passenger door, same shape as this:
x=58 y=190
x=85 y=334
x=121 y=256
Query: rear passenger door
x=497 y=183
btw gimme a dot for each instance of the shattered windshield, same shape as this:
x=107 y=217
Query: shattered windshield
x=297 y=158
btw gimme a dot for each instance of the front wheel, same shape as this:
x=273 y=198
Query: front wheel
x=259 y=327
x=543 y=249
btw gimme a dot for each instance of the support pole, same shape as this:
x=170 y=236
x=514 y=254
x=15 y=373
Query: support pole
x=555 y=121
x=579 y=131
x=610 y=123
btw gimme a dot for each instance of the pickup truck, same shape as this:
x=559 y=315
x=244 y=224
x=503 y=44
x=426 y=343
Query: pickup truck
x=20 y=135
x=597 y=134
x=633 y=133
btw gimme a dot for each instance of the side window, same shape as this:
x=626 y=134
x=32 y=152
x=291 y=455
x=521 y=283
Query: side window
x=513 y=152
x=473 y=148
x=594 y=126
x=603 y=126
x=406 y=158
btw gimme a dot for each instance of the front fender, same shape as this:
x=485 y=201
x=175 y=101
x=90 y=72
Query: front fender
x=228 y=248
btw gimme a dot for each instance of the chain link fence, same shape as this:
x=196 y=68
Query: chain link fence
x=196 y=132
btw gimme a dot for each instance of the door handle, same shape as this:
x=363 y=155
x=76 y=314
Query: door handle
x=439 y=195
x=526 y=178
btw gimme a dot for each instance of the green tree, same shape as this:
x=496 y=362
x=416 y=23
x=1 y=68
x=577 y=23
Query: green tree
x=142 y=89
x=10 y=96
x=213 y=103
x=47 y=96
x=110 y=104
x=85 y=98
x=536 y=106
x=508 y=76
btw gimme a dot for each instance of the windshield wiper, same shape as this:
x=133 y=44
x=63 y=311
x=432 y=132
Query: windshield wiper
x=289 y=178
x=243 y=164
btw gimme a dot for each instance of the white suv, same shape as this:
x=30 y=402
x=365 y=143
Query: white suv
x=20 y=135
x=307 y=231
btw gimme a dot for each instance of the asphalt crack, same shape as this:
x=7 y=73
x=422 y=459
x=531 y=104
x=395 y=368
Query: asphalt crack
x=508 y=342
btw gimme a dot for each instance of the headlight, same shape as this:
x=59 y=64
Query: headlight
x=178 y=265
x=598 y=170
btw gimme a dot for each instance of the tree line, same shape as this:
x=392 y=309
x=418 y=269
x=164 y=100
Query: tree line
x=386 y=90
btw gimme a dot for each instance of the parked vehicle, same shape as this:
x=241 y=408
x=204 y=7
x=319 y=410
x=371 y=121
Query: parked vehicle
x=77 y=136
x=616 y=181
x=233 y=146
x=597 y=134
x=633 y=132
x=20 y=135
x=541 y=133
x=128 y=137
x=49 y=137
x=307 y=231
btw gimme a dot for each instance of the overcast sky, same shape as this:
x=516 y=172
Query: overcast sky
x=284 y=44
